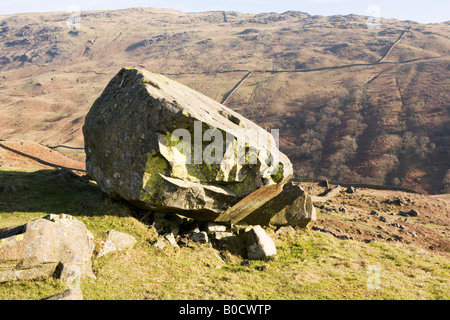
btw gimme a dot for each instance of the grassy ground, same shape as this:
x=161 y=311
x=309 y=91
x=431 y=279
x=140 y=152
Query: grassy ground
x=309 y=264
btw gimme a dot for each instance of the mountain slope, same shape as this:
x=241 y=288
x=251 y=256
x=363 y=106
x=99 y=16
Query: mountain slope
x=352 y=104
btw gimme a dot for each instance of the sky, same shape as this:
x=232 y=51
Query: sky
x=428 y=11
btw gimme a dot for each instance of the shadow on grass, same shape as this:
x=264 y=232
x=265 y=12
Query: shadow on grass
x=25 y=196
x=54 y=191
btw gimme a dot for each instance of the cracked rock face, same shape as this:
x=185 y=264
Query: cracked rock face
x=55 y=245
x=165 y=147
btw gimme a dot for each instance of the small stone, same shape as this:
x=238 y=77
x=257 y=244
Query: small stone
x=160 y=244
x=259 y=244
x=183 y=241
x=212 y=227
x=384 y=219
x=200 y=237
x=351 y=189
x=413 y=213
x=69 y=294
x=374 y=213
x=223 y=235
x=171 y=238
x=116 y=241
x=245 y=262
x=286 y=229
x=403 y=214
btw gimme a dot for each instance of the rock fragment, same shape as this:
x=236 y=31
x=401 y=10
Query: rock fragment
x=58 y=245
x=259 y=244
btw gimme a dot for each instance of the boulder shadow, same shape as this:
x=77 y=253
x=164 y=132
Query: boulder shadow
x=55 y=192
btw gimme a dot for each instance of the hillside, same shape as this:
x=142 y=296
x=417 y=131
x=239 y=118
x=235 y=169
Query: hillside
x=355 y=233
x=352 y=104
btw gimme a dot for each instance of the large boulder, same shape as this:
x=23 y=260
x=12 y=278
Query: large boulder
x=165 y=147
x=55 y=245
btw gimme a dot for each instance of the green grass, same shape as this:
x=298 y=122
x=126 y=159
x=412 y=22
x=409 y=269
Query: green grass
x=309 y=264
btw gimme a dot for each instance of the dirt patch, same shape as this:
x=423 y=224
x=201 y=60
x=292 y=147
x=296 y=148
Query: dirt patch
x=379 y=215
x=31 y=155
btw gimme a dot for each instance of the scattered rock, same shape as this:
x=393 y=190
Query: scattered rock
x=222 y=235
x=384 y=219
x=259 y=244
x=403 y=214
x=285 y=230
x=374 y=213
x=351 y=189
x=396 y=201
x=410 y=213
x=412 y=233
x=183 y=241
x=342 y=209
x=212 y=227
x=57 y=245
x=245 y=262
x=171 y=239
x=160 y=243
x=200 y=237
x=69 y=294
x=413 y=213
x=116 y=241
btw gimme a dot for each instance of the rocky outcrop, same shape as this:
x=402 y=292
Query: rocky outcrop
x=165 y=147
x=57 y=245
